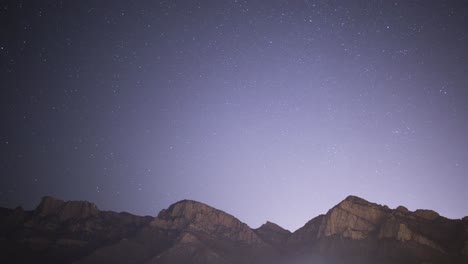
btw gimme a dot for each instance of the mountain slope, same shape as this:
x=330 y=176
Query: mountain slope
x=353 y=231
x=60 y=232
x=356 y=228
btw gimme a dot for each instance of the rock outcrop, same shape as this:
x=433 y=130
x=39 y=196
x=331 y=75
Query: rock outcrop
x=353 y=231
x=426 y=214
x=306 y=235
x=189 y=232
x=353 y=218
x=64 y=211
x=59 y=232
x=196 y=217
x=273 y=234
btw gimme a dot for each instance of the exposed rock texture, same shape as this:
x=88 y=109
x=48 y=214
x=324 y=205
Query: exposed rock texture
x=50 y=206
x=353 y=218
x=59 y=232
x=196 y=217
x=397 y=229
x=273 y=234
x=306 y=235
x=354 y=231
x=426 y=214
x=190 y=232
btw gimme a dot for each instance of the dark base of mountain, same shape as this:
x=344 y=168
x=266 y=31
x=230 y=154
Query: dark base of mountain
x=354 y=231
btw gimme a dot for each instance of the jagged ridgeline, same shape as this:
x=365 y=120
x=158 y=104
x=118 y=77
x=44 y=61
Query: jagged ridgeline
x=354 y=231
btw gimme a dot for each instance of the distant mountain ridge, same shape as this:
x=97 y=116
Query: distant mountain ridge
x=353 y=231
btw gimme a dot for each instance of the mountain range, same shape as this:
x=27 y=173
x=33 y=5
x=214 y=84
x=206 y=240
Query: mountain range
x=353 y=231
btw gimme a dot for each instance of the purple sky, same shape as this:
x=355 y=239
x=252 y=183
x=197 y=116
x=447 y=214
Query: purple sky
x=268 y=110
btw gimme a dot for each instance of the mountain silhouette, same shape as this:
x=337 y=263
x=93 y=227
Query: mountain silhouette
x=353 y=231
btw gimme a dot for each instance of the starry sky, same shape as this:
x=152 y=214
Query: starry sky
x=269 y=110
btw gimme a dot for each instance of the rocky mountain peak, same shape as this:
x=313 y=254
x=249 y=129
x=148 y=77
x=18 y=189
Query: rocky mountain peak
x=48 y=205
x=192 y=216
x=51 y=206
x=186 y=209
x=273 y=233
x=272 y=227
x=402 y=209
x=427 y=214
x=357 y=200
x=353 y=218
x=193 y=232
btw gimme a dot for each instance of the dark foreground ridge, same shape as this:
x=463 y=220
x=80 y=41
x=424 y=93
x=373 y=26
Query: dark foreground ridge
x=354 y=231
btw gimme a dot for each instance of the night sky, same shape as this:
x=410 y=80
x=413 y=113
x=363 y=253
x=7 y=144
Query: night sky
x=268 y=110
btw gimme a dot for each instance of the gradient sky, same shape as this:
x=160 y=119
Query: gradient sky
x=268 y=110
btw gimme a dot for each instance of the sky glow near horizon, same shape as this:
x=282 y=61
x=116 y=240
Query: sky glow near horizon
x=268 y=110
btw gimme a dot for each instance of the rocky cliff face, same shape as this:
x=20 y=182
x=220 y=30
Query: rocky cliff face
x=192 y=232
x=59 y=232
x=50 y=206
x=199 y=218
x=306 y=235
x=356 y=226
x=354 y=231
x=273 y=234
x=353 y=218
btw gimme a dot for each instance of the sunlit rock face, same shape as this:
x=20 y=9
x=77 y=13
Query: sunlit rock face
x=353 y=231
x=197 y=217
x=426 y=214
x=207 y=235
x=353 y=218
x=357 y=219
x=50 y=206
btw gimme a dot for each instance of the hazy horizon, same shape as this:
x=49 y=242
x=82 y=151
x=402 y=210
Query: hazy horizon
x=268 y=110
